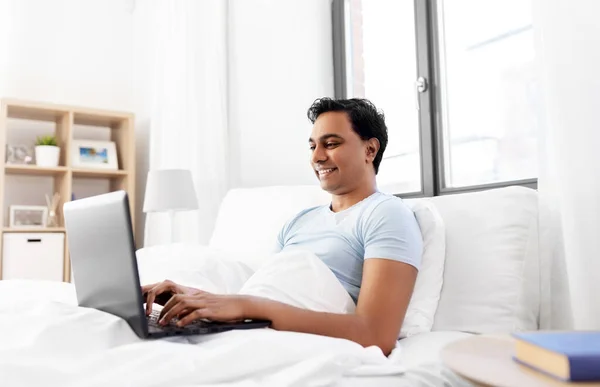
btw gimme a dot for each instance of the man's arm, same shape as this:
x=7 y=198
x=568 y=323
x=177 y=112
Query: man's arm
x=386 y=289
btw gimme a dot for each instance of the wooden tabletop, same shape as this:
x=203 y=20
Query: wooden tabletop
x=486 y=360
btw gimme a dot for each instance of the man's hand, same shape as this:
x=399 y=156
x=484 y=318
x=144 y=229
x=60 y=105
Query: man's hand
x=204 y=305
x=162 y=292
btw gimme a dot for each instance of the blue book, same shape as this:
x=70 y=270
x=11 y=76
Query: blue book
x=568 y=356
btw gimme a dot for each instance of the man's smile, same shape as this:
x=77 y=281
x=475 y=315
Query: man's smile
x=324 y=172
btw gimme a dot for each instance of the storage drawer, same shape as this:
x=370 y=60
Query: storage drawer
x=37 y=256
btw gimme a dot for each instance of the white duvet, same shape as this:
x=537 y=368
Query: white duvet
x=47 y=340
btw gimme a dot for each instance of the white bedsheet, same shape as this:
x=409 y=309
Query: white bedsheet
x=47 y=340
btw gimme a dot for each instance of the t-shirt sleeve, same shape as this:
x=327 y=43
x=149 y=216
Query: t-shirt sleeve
x=282 y=235
x=392 y=232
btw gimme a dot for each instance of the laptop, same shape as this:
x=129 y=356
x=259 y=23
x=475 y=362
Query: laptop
x=104 y=264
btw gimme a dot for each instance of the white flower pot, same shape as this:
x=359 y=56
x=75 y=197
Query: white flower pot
x=47 y=155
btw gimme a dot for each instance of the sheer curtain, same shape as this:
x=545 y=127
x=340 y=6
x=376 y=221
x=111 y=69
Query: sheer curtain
x=5 y=29
x=567 y=44
x=188 y=120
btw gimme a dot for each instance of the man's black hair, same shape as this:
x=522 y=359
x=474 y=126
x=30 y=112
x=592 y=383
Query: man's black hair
x=366 y=120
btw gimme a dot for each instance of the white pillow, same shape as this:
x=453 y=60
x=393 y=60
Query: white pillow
x=196 y=266
x=424 y=301
x=250 y=219
x=491 y=276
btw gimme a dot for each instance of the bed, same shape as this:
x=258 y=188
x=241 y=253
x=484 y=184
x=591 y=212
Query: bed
x=482 y=273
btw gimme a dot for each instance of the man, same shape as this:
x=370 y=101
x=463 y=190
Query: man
x=370 y=240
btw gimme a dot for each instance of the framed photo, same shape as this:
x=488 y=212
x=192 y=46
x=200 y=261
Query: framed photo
x=90 y=154
x=19 y=154
x=28 y=216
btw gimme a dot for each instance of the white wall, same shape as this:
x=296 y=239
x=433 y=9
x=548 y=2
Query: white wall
x=76 y=52
x=72 y=51
x=280 y=61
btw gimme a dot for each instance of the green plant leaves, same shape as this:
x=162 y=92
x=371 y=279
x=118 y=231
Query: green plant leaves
x=45 y=140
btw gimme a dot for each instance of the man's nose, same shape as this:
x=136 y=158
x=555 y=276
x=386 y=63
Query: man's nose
x=318 y=155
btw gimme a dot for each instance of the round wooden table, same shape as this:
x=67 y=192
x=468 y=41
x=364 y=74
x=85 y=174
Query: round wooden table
x=486 y=360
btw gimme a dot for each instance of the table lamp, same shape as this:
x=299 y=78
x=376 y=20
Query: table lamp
x=170 y=190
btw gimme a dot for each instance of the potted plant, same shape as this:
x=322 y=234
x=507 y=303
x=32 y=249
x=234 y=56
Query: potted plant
x=46 y=151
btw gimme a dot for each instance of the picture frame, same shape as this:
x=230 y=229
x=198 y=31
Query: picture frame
x=28 y=216
x=92 y=154
x=19 y=154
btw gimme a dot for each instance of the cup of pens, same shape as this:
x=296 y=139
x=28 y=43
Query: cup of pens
x=52 y=203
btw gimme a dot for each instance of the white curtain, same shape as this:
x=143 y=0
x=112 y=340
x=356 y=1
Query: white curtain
x=5 y=32
x=567 y=45
x=188 y=122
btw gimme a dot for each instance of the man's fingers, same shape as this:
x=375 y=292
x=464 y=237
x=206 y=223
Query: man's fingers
x=146 y=288
x=172 y=303
x=153 y=293
x=180 y=303
x=149 y=301
x=201 y=312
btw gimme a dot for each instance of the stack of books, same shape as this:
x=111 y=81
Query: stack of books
x=568 y=356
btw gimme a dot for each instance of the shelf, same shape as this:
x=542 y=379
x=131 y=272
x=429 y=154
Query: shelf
x=98 y=118
x=34 y=230
x=26 y=169
x=98 y=173
x=68 y=123
x=52 y=112
x=34 y=111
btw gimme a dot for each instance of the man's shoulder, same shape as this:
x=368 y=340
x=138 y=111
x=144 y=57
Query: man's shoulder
x=385 y=207
x=384 y=202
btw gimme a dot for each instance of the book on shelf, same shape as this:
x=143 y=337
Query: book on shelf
x=568 y=356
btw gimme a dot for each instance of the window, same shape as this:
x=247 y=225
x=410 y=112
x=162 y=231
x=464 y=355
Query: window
x=456 y=82
x=381 y=66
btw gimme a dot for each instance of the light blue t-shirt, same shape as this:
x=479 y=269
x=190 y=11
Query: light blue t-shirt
x=380 y=226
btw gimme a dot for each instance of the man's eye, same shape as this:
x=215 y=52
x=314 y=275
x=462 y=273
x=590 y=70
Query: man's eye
x=312 y=147
x=331 y=144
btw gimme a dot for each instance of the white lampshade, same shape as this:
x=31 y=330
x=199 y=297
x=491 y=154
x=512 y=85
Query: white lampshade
x=170 y=190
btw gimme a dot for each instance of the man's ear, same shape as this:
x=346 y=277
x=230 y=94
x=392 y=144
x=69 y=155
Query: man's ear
x=372 y=148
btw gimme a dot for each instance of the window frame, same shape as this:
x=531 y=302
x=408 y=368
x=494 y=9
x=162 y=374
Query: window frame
x=431 y=133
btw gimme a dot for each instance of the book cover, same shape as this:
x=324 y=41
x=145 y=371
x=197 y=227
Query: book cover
x=573 y=356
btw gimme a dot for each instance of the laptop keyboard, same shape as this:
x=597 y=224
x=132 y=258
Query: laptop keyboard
x=153 y=321
x=154 y=317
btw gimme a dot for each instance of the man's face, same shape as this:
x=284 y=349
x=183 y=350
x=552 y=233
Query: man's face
x=339 y=157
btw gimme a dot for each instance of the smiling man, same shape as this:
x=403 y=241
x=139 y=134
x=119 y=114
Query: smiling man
x=370 y=240
x=346 y=145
